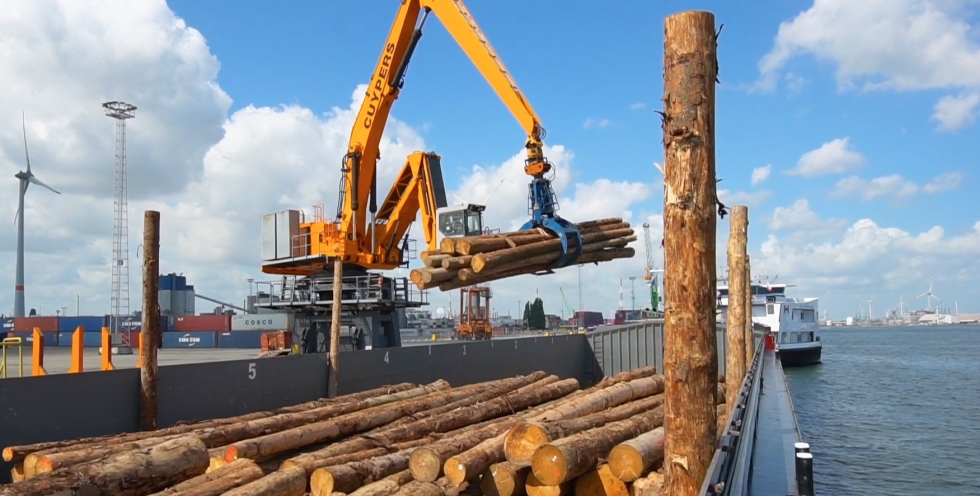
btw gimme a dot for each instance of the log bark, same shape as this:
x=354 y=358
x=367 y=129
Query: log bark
x=535 y=487
x=600 y=482
x=550 y=258
x=425 y=255
x=347 y=477
x=591 y=257
x=285 y=482
x=473 y=245
x=651 y=485
x=60 y=459
x=334 y=350
x=737 y=292
x=237 y=473
x=345 y=425
x=431 y=276
x=505 y=479
x=151 y=331
x=456 y=263
x=550 y=248
x=426 y=464
x=564 y=459
x=631 y=459
x=385 y=487
x=690 y=200
x=133 y=473
x=626 y=376
x=436 y=261
x=441 y=487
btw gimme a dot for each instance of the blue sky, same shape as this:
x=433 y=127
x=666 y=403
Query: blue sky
x=251 y=101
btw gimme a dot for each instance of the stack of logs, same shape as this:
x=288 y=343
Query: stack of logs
x=534 y=435
x=472 y=260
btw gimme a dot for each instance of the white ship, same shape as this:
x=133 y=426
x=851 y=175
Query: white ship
x=792 y=322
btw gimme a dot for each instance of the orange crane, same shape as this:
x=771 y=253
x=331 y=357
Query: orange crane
x=474 y=313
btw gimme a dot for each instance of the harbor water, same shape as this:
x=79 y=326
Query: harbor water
x=893 y=410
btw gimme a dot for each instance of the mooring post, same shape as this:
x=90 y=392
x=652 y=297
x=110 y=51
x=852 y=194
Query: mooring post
x=338 y=288
x=735 y=364
x=690 y=202
x=150 y=333
x=749 y=334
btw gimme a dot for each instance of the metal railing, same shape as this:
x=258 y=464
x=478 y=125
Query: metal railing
x=10 y=343
x=319 y=290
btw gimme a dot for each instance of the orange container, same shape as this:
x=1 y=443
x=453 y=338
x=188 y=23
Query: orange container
x=27 y=324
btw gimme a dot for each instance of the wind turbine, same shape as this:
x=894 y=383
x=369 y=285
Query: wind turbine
x=869 y=308
x=26 y=178
x=929 y=296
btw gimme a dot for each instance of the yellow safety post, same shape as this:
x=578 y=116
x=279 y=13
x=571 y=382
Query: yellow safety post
x=37 y=355
x=77 y=350
x=107 y=350
x=6 y=343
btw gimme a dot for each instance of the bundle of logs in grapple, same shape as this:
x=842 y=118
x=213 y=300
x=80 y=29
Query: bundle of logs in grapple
x=472 y=260
x=534 y=435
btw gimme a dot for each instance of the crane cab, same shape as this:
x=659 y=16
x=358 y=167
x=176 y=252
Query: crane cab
x=457 y=221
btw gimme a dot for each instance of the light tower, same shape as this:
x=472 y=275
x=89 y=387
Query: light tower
x=120 y=228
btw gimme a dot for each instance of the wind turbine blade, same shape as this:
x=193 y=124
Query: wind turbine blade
x=23 y=125
x=39 y=183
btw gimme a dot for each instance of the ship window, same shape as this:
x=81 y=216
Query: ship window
x=770 y=308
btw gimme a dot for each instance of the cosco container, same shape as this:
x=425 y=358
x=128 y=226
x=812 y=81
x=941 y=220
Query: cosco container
x=91 y=324
x=89 y=339
x=189 y=340
x=240 y=339
x=50 y=338
x=189 y=323
x=25 y=324
x=262 y=322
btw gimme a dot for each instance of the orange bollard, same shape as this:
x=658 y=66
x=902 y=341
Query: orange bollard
x=37 y=355
x=139 y=346
x=107 y=350
x=77 y=350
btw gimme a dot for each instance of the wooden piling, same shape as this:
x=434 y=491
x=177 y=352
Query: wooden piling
x=338 y=287
x=735 y=328
x=690 y=200
x=749 y=334
x=151 y=320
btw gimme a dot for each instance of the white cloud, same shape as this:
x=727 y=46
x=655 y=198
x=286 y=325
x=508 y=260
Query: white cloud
x=799 y=217
x=595 y=123
x=956 y=112
x=760 y=174
x=212 y=176
x=893 y=186
x=833 y=157
x=885 y=44
x=944 y=182
x=748 y=198
x=638 y=106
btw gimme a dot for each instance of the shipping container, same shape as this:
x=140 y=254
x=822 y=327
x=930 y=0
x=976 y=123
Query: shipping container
x=90 y=324
x=240 y=339
x=262 y=322
x=277 y=340
x=6 y=326
x=90 y=339
x=189 y=323
x=50 y=338
x=134 y=323
x=25 y=324
x=189 y=339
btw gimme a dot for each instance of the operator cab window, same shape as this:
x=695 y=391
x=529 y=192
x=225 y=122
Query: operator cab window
x=474 y=225
x=451 y=224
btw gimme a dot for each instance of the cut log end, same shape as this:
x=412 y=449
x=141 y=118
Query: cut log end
x=600 y=482
x=231 y=454
x=504 y=479
x=17 y=473
x=216 y=463
x=321 y=482
x=549 y=465
x=425 y=465
x=535 y=487
x=8 y=454
x=523 y=440
x=455 y=470
x=625 y=463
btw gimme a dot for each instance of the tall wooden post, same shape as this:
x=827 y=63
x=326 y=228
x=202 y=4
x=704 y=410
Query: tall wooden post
x=735 y=329
x=690 y=275
x=749 y=335
x=151 y=320
x=338 y=288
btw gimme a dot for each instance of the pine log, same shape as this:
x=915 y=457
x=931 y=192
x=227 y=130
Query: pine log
x=651 y=485
x=440 y=487
x=59 y=459
x=505 y=479
x=346 y=425
x=473 y=245
x=564 y=459
x=435 y=261
x=590 y=257
x=430 y=276
x=426 y=254
x=631 y=459
x=486 y=261
x=456 y=263
x=426 y=463
x=215 y=463
x=285 y=482
x=600 y=482
x=535 y=487
x=19 y=453
x=402 y=436
x=349 y=476
x=625 y=376
x=228 y=477
x=133 y=473
x=17 y=472
x=385 y=487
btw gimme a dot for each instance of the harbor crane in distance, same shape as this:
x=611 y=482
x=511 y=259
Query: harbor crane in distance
x=366 y=236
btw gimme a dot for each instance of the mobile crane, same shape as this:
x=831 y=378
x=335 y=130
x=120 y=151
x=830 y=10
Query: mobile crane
x=377 y=239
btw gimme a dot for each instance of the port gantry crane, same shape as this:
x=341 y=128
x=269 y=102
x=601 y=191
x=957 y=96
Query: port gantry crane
x=377 y=239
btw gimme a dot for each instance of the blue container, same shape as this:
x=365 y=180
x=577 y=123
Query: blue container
x=133 y=323
x=91 y=324
x=240 y=339
x=50 y=338
x=90 y=339
x=6 y=325
x=190 y=340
